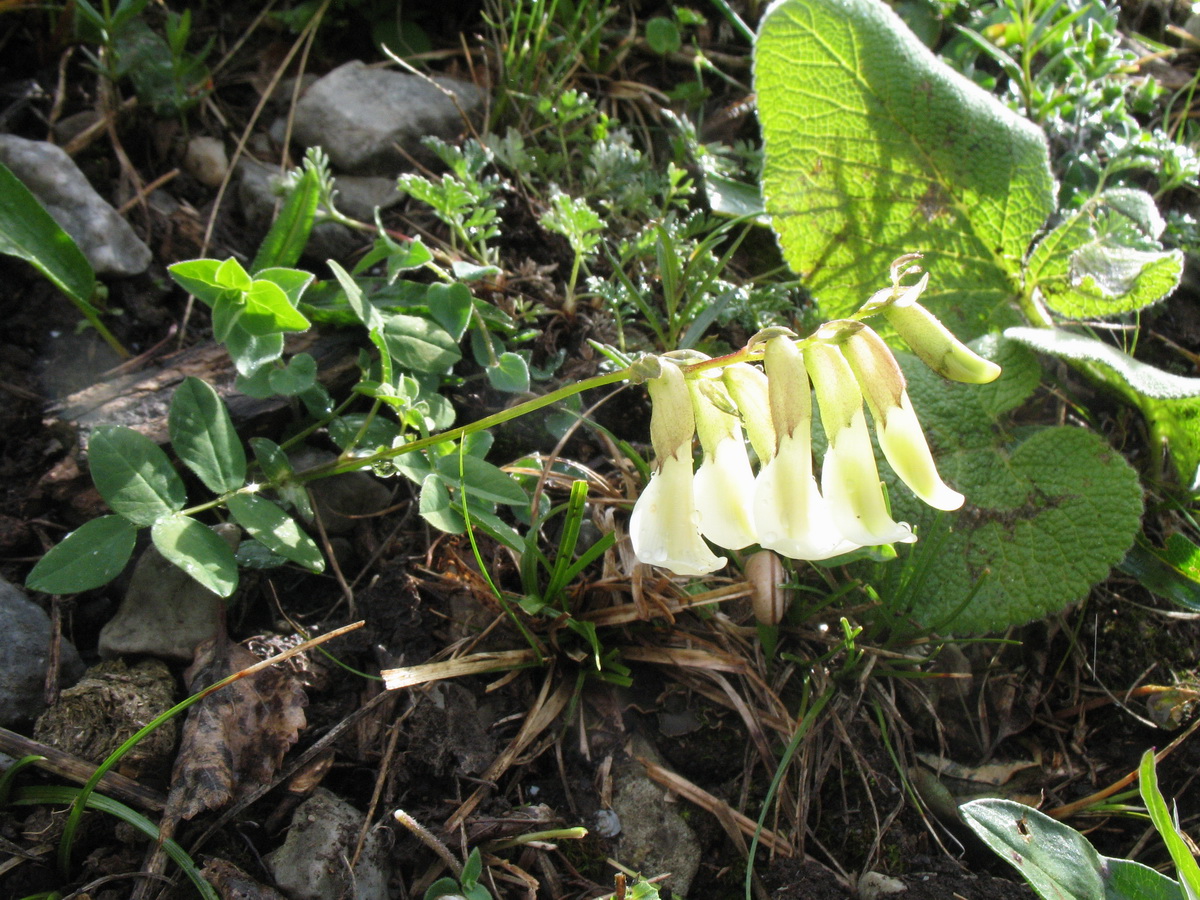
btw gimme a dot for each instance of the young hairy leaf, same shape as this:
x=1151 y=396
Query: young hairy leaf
x=274 y=528
x=203 y=436
x=1085 y=269
x=874 y=148
x=250 y=352
x=199 y=551
x=133 y=475
x=291 y=229
x=30 y=233
x=1049 y=511
x=199 y=278
x=91 y=555
x=268 y=310
x=296 y=377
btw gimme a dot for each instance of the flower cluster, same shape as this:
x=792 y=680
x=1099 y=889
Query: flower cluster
x=783 y=508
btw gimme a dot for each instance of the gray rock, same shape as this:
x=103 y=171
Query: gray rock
x=655 y=839
x=312 y=863
x=106 y=239
x=361 y=115
x=165 y=613
x=24 y=653
x=358 y=195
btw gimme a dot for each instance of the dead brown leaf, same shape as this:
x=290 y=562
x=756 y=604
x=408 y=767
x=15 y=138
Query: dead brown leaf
x=234 y=739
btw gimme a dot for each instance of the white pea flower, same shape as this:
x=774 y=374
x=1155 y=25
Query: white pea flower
x=849 y=477
x=900 y=435
x=934 y=343
x=664 y=525
x=791 y=516
x=724 y=483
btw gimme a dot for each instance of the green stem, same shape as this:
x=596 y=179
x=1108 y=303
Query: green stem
x=341 y=466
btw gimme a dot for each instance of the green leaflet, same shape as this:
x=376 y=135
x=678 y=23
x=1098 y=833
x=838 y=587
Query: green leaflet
x=92 y=555
x=199 y=551
x=203 y=436
x=1049 y=511
x=272 y=527
x=875 y=148
x=133 y=475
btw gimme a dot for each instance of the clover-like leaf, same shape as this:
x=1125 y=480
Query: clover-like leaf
x=133 y=475
x=419 y=344
x=874 y=148
x=91 y=555
x=199 y=551
x=203 y=436
x=272 y=527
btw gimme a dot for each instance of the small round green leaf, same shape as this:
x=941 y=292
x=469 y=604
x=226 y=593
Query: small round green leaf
x=663 y=36
x=510 y=374
x=203 y=436
x=199 y=551
x=276 y=530
x=134 y=475
x=91 y=555
x=450 y=305
x=296 y=377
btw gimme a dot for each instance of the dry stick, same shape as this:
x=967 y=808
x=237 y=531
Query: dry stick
x=75 y=769
x=1061 y=812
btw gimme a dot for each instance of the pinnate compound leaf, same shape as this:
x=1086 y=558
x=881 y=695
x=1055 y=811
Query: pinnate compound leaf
x=291 y=229
x=29 y=232
x=1057 y=861
x=91 y=555
x=203 y=436
x=1170 y=403
x=1049 y=511
x=197 y=550
x=133 y=475
x=235 y=738
x=272 y=527
x=874 y=148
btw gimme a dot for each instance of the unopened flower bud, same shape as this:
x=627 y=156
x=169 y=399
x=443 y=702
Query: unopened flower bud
x=937 y=347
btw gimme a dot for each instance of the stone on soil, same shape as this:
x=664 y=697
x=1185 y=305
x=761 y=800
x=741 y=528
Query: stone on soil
x=654 y=839
x=367 y=119
x=312 y=863
x=107 y=240
x=24 y=655
x=165 y=613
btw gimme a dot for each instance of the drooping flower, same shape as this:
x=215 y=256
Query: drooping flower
x=724 y=483
x=900 y=435
x=749 y=389
x=849 y=476
x=790 y=514
x=664 y=525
